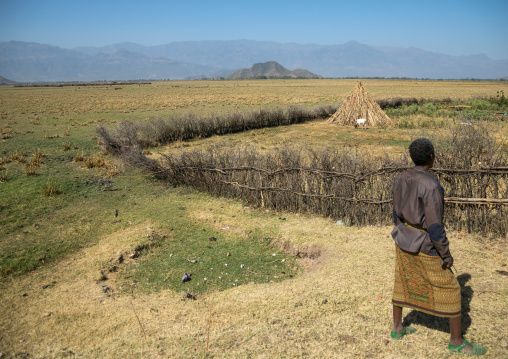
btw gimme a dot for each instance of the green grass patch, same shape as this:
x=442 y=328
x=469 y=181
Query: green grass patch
x=434 y=114
x=423 y=122
x=215 y=259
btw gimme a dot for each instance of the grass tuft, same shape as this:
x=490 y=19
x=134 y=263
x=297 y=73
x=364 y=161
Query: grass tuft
x=50 y=189
x=19 y=157
x=37 y=157
x=94 y=162
x=30 y=168
x=80 y=157
x=4 y=160
x=4 y=177
x=5 y=132
x=112 y=171
x=50 y=137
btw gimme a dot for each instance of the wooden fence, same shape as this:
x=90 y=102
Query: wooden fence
x=339 y=185
x=346 y=183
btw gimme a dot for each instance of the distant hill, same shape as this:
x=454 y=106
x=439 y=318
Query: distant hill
x=351 y=59
x=33 y=62
x=4 y=81
x=270 y=70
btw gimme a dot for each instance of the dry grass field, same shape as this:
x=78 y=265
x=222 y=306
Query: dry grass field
x=339 y=308
x=158 y=98
x=324 y=289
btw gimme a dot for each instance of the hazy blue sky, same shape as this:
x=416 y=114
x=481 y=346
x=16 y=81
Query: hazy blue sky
x=453 y=27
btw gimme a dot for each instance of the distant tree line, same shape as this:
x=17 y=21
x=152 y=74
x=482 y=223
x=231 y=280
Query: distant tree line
x=80 y=84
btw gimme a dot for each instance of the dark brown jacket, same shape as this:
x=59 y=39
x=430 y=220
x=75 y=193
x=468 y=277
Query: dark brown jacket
x=418 y=208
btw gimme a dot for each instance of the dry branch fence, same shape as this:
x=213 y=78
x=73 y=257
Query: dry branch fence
x=345 y=184
x=330 y=183
x=159 y=131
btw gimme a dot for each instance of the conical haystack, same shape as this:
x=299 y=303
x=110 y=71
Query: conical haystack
x=359 y=104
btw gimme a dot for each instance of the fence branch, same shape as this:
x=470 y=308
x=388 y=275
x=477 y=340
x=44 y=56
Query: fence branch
x=476 y=200
x=381 y=171
x=364 y=200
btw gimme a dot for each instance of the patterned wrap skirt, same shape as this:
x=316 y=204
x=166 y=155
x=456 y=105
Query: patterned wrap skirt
x=422 y=284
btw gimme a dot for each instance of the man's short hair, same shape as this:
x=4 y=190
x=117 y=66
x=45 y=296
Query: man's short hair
x=420 y=151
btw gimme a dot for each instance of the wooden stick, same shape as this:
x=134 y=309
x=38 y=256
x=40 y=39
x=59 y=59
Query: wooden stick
x=139 y=321
x=275 y=260
x=208 y=328
x=476 y=200
x=383 y=170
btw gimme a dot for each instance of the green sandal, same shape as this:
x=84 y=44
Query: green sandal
x=405 y=331
x=477 y=349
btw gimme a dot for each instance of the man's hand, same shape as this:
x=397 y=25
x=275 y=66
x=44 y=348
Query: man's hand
x=447 y=265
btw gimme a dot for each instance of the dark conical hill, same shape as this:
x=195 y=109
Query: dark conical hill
x=270 y=70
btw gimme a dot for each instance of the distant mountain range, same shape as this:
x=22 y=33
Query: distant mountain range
x=270 y=70
x=4 y=81
x=33 y=62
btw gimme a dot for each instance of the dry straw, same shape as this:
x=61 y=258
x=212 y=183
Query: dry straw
x=359 y=104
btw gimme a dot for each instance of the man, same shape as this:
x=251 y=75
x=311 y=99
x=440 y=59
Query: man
x=423 y=277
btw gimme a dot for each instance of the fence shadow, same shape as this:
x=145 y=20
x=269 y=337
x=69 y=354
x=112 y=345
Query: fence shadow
x=443 y=324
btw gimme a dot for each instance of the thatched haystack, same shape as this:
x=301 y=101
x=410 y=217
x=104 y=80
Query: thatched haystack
x=359 y=104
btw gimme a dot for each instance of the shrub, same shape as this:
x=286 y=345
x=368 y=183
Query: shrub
x=396 y=102
x=470 y=145
x=500 y=99
x=158 y=132
x=405 y=122
x=429 y=109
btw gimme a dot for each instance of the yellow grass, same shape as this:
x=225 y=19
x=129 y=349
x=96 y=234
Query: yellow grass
x=315 y=134
x=339 y=307
x=98 y=102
